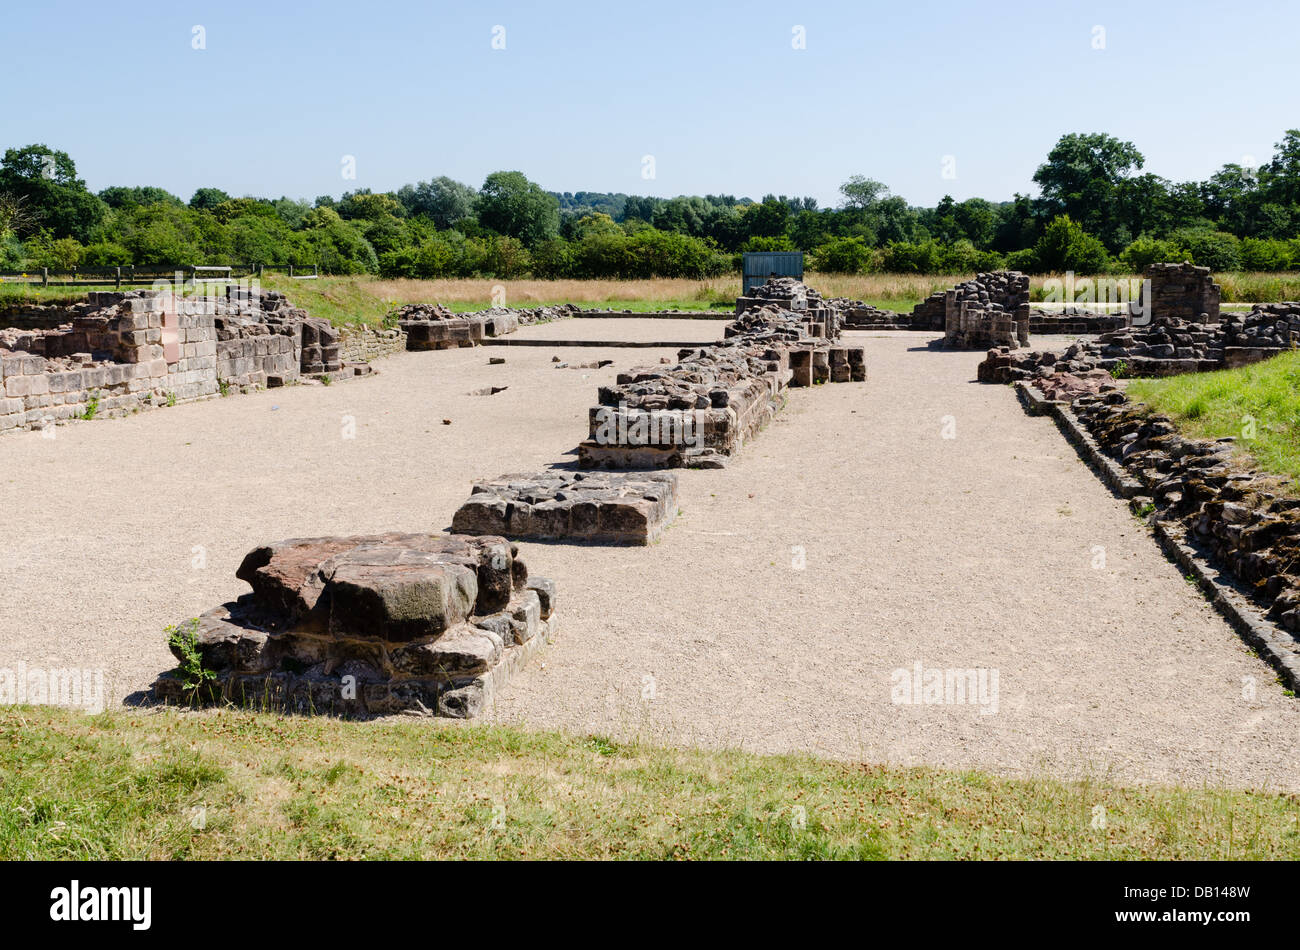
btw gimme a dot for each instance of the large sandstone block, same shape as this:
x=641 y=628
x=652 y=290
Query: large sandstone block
x=596 y=507
x=370 y=625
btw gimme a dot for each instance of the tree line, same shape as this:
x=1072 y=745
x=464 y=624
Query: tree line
x=1097 y=211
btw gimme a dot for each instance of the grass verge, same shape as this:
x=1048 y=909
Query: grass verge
x=167 y=784
x=1259 y=405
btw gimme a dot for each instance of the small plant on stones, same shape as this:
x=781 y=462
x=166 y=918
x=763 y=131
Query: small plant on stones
x=325 y=379
x=223 y=387
x=1119 y=370
x=92 y=407
x=171 y=398
x=184 y=638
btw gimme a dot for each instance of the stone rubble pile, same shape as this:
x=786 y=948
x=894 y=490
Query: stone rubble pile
x=789 y=293
x=1167 y=347
x=368 y=625
x=595 y=507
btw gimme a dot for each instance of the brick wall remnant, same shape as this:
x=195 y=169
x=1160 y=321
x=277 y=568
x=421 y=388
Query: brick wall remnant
x=122 y=351
x=991 y=310
x=1181 y=292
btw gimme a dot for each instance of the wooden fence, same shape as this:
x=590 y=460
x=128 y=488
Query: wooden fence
x=130 y=275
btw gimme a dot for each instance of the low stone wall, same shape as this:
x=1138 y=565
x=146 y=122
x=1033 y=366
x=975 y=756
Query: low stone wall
x=367 y=626
x=256 y=355
x=38 y=316
x=121 y=351
x=118 y=357
x=362 y=344
x=1077 y=323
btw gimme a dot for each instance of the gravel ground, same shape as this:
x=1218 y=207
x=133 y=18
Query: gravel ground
x=629 y=329
x=971 y=552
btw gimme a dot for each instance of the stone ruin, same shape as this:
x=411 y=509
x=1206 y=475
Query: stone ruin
x=789 y=293
x=700 y=410
x=121 y=351
x=1181 y=292
x=1169 y=346
x=594 y=507
x=434 y=327
x=857 y=315
x=991 y=310
x=370 y=625
x=696 y=412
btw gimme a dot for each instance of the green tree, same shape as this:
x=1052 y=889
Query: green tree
x=1081 y=179
x=843 y=256
x=442 y=200
x=861 y=192
x=512 y=205
x=205 y=199
x=1065 y=245
x=122 y=196
x=46 y=181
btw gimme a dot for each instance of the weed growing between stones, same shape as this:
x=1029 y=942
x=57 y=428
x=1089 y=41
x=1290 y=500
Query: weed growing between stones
x=184 y=640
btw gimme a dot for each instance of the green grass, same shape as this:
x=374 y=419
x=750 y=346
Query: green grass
x=168 y=784
x=1223 y=403
x=13 y=293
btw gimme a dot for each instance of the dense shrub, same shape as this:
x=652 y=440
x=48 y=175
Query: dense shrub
x=842 y=256
x=1066 y=246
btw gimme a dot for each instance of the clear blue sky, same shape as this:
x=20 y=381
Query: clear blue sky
x=715 y=92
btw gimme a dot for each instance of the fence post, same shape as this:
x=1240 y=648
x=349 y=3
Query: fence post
x=119 y=278
x=290 y=270
x=45 y=277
